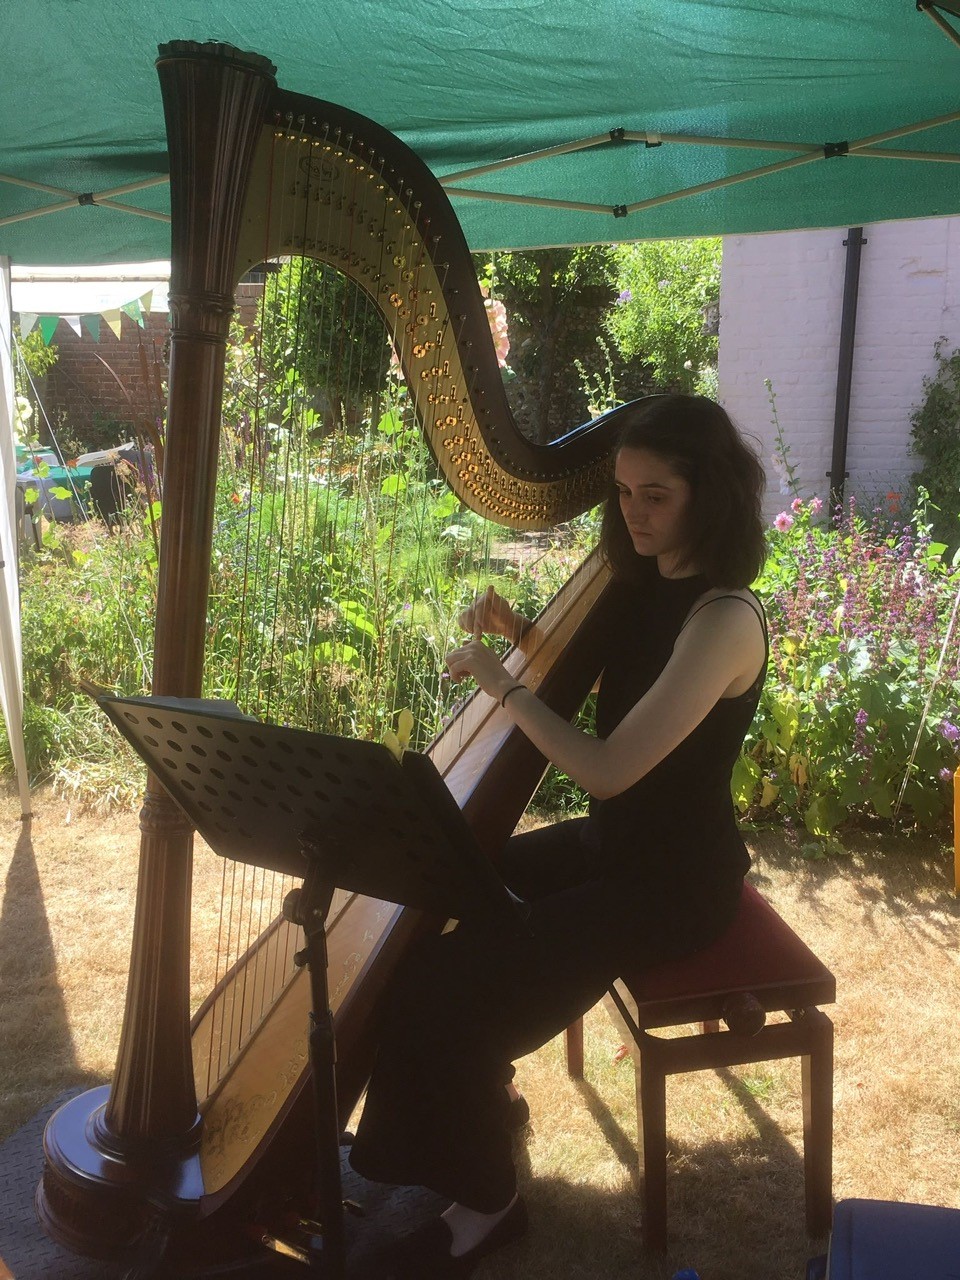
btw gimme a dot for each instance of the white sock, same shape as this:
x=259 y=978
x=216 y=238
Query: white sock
x=470 y=1228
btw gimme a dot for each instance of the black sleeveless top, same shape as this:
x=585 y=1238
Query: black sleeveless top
x=674 y=832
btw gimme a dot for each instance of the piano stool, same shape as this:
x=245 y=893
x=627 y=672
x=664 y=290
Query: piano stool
x=759 y=966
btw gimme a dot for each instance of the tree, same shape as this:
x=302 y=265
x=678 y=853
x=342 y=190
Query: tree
x=320 y=330
x=663 y=287
x=555 y=300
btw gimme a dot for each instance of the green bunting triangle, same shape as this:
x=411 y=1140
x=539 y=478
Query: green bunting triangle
x=92 y=326
x=48 y=327
x=134 y=311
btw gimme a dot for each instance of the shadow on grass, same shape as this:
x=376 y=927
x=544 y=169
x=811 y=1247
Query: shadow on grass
x=736 y=1209
x=37 y=1055
x=734 y=1214
x=907 y=877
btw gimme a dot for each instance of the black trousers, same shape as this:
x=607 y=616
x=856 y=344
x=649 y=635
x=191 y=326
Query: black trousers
x=465 y=1004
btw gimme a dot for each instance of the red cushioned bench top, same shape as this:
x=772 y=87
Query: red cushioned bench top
x=759 y=954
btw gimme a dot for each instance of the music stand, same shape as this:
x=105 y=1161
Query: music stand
x=339 y=812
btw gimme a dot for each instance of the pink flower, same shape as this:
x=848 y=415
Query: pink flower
x=497 y=318
x=783 y=521
x=816 y=506
x=796 y=505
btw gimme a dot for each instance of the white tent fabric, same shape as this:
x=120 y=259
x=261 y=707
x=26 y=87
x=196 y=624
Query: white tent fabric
x=81 y=290
x=11 y=674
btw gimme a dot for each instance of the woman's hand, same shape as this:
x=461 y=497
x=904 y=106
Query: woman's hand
x=491 y=615
x=475 y=659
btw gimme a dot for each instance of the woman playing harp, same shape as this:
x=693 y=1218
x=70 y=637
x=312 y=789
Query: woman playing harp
x=644 y=878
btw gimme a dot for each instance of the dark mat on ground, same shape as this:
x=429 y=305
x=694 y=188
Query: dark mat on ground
x=387 y=1213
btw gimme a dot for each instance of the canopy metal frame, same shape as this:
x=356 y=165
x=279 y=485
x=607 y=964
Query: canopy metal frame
x=800 y=153
x=102 y=199
x=806 y=153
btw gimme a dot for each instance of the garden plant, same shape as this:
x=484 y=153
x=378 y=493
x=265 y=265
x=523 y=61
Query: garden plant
x=331 y=518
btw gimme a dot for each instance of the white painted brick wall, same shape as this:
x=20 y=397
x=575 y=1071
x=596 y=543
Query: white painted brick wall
x=780 y=307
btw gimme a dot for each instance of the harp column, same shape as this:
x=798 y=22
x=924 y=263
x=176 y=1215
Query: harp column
x=137 y=1146
x=215 y=102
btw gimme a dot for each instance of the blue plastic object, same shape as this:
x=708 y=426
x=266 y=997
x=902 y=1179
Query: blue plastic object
x=686 y=1274
x=882 y=1240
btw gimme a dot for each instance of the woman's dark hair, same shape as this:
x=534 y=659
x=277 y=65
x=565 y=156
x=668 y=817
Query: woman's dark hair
x=697 y=440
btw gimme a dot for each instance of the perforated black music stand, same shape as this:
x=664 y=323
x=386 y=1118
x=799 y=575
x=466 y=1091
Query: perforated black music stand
x=339 y=812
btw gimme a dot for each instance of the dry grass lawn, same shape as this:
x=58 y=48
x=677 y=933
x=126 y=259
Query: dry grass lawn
x=884 y=919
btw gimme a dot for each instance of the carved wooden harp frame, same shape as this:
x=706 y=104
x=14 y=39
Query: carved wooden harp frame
x=120 y=1161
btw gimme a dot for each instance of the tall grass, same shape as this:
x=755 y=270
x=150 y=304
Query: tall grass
x=340 y=565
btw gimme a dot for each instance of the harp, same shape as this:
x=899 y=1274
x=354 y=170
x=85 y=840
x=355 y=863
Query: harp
x=258 y=173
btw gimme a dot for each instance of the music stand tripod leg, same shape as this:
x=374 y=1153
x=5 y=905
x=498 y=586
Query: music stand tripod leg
x=308 y=907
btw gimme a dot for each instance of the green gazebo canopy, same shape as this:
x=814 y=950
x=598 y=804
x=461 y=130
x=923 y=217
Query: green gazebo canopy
x=468 y=83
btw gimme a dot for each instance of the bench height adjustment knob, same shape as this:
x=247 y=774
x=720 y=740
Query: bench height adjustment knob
x=744 y=1014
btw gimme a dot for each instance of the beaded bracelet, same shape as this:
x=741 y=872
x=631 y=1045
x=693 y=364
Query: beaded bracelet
x=513 y=689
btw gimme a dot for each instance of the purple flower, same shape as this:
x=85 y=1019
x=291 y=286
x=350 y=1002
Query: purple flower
x=945 y=775
x=626 y=295
x=949 y=731
x=783 y=521
x=861 y=718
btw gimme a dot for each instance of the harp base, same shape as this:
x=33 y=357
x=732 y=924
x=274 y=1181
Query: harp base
x=91 y=1199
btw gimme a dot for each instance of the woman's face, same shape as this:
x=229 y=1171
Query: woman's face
x=655 y=503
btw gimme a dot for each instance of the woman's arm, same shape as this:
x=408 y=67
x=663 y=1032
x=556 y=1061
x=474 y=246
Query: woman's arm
x=492 y=615
x=720 y=647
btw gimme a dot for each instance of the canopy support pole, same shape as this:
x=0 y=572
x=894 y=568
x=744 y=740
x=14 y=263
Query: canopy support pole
x=837 y=474
x=11 y=667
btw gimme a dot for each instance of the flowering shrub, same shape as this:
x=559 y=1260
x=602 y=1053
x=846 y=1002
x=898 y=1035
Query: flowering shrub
x=858 y=615
x=664 y=286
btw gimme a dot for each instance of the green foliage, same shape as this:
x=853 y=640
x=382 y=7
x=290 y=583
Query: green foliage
x=565 y=273
x=358 y=557
x=663 y=287
x=32 y=359
x=935 y=432
x=38 y=357
x=857 y=619
x=555 y=301
x=332 y=349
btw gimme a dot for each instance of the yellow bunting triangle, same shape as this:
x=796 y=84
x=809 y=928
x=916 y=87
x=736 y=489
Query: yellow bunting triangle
x=113 y=319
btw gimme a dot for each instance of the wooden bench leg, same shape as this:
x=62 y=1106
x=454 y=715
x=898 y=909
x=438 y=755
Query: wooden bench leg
x=817 y=1084
x=574 y=1045
x=652 y=1141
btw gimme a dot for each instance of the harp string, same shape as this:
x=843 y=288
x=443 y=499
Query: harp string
x=314 y=512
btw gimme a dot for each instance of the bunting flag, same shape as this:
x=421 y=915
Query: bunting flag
x=134 y=311
x=48 y=327
x=112 y=319
x=137 y=309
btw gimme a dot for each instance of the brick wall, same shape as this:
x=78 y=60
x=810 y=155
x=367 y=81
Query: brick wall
x=82 y=388
x=781 y=301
